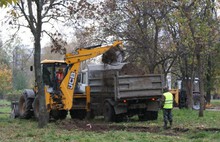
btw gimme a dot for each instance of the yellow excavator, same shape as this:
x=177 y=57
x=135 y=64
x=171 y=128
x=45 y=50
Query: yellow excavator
x=61 y=88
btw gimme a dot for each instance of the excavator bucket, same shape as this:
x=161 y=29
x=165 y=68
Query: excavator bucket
x=113 y=56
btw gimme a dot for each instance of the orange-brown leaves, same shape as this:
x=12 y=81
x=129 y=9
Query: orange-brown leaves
x=5 y=78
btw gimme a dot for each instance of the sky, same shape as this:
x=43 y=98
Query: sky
x=25 y=35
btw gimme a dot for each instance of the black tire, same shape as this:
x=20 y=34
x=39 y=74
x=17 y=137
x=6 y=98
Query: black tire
x=152 y=115
x=25 y=107
x=78 y=114
x=148 y=115
x=63 y=114
x=58 y=114
x=109 y=113
x=90 y=115
x=142 y=117
x=54 y=114
x=36 y=105
x=119 y=118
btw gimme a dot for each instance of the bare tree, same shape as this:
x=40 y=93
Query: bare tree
x=192 y=28
x=40 y=12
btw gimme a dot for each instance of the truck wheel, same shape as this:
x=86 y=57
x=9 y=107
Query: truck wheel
x=25 y=107
x=36 y=105
x=152 y=115
x=142 y=117
x=78 y=114
x=148 y=115
x=109 y=114
x=90 y=115
x=119 y=118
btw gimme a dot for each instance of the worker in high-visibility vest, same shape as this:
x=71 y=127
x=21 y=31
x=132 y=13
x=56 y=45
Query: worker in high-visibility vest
x=167 y=105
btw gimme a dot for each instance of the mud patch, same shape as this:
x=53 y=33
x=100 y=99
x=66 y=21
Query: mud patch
x=177 y=129
x=102 y=127
x=209 y=129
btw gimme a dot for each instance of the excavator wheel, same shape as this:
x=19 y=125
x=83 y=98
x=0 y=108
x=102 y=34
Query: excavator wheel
x=58 y=114
x=63 y=114
x=25 y=107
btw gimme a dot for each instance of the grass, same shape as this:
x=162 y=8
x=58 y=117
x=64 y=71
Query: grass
x=215 y=102
x=199 y=129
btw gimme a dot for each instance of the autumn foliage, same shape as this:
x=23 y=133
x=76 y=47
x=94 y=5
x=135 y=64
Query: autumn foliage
x=6 y=79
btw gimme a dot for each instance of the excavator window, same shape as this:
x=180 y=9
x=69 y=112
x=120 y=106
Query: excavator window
x=59 y=74
x=47 y=75
x=53 y=74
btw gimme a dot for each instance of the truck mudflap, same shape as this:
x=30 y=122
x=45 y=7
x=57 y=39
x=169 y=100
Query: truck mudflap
x=153 y=106
x=120 y=109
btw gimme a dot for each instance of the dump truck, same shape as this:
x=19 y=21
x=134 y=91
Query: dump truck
x=118 y=94
x=59 y=89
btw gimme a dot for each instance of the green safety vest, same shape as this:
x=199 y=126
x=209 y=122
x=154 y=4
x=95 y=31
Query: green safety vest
x=168 y=104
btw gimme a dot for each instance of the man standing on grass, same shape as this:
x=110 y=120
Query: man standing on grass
x=167 y=105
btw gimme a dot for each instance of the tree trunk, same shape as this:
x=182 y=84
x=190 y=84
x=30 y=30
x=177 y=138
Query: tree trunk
x=43 y=115
x=201 y=85
x=187 y=85
x=209 y=80
x=187 y=82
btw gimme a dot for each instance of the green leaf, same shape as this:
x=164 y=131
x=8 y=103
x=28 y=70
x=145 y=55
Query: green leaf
x=7 y=2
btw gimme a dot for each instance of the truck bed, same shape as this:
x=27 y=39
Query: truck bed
x=127 y=86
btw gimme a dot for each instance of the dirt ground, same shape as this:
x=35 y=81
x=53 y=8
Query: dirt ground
x=102 y=127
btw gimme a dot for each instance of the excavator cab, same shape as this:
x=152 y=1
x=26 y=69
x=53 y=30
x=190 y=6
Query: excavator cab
x=53 y=73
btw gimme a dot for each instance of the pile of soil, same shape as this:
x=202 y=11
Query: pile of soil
x=131 y=69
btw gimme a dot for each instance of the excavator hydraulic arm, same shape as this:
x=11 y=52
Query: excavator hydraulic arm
x=73 y=60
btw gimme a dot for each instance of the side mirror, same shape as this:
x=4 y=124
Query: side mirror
x=31 y=68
